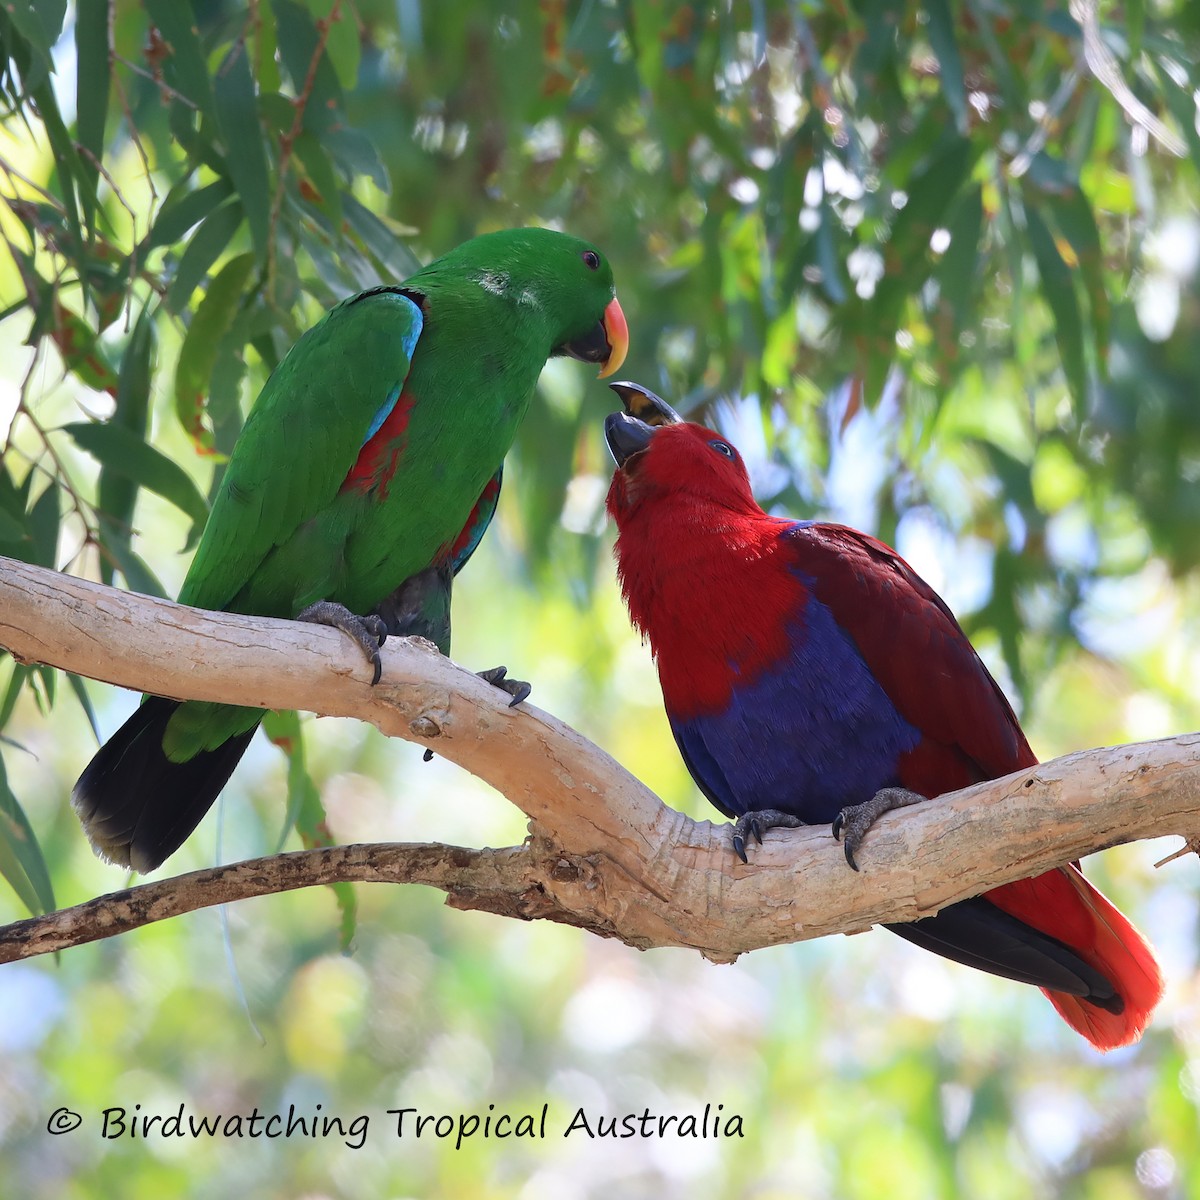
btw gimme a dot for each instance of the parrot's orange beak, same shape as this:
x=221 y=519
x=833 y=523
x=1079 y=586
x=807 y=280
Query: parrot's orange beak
x=617 y=331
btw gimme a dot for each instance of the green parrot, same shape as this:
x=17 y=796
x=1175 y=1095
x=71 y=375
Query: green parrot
x=363 y=479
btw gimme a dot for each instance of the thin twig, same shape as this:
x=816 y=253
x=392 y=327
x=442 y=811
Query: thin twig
x=467 y=874
x=157 y=80
x=60 y=477
x=148 y=172
x=136 y=136
x=13 y=173
x=116 y=191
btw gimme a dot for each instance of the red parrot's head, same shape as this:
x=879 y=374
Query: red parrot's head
x=661 y=457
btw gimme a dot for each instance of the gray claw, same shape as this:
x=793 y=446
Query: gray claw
x=755 y=823
x=518 y=689
x=853 y=822
x=368 y=633
x=739 y=846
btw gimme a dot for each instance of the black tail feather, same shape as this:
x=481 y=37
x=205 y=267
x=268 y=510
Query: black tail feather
x=136 y=805
x=978 y=934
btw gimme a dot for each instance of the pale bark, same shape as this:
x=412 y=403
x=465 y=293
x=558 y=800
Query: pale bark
x=604 y=853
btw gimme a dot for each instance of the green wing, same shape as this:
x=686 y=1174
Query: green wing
x=328 y=396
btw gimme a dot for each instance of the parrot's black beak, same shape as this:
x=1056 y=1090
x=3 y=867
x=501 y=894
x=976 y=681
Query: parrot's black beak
x=642 y=403
x=626 y=436
x=607 y=342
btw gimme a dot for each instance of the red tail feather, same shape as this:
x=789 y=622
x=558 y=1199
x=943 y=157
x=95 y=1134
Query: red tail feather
x=1064 y=905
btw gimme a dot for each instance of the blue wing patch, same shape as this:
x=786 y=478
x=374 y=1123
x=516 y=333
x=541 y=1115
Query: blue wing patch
x=384 y=412
x=408 y=343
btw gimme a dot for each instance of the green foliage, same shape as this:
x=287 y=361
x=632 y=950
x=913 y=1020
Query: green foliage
x=951 y=280
x=304 y=812
x=21 y=861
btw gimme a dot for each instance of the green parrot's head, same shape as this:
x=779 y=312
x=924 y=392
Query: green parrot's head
x=550 y=281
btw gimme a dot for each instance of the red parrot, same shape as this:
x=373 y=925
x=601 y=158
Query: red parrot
x=811 y=676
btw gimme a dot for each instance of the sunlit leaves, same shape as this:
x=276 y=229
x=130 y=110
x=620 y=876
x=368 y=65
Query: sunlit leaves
x=183 y=208
x=1058 y=287
x=214 y=318
x=181 y=55
x=246 y=156
x=943 y=40
x=203 y=249
x=92 y=81
x=21 y=861
x=38 y=24
x=117 y=490
x=123 y=452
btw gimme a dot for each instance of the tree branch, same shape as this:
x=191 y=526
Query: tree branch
x=605 y=854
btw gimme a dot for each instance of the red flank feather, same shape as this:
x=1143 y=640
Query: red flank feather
x=376 y=462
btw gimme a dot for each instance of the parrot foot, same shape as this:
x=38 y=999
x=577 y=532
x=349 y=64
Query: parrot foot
x=518 y=689
x=368 y=633
x=755 y=824
x=852 y=823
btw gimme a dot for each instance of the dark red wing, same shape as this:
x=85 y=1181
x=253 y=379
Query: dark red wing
x=921 y=657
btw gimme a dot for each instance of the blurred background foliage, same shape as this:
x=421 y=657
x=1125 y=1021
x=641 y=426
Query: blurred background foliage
x=933 y=266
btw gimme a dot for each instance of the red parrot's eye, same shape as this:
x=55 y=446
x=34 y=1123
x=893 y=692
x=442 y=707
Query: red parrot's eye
x=722 y=448
x=591 y=260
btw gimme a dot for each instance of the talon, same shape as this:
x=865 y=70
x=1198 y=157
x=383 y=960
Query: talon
x=853 y=823
x=368 y=633
x=427 y=756
x=744 y=828
x=518 y=689
x=755 y=823
x=848 y=829
x=842 y=825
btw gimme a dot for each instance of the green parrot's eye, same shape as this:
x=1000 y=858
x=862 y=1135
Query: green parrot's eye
x=591 y=260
